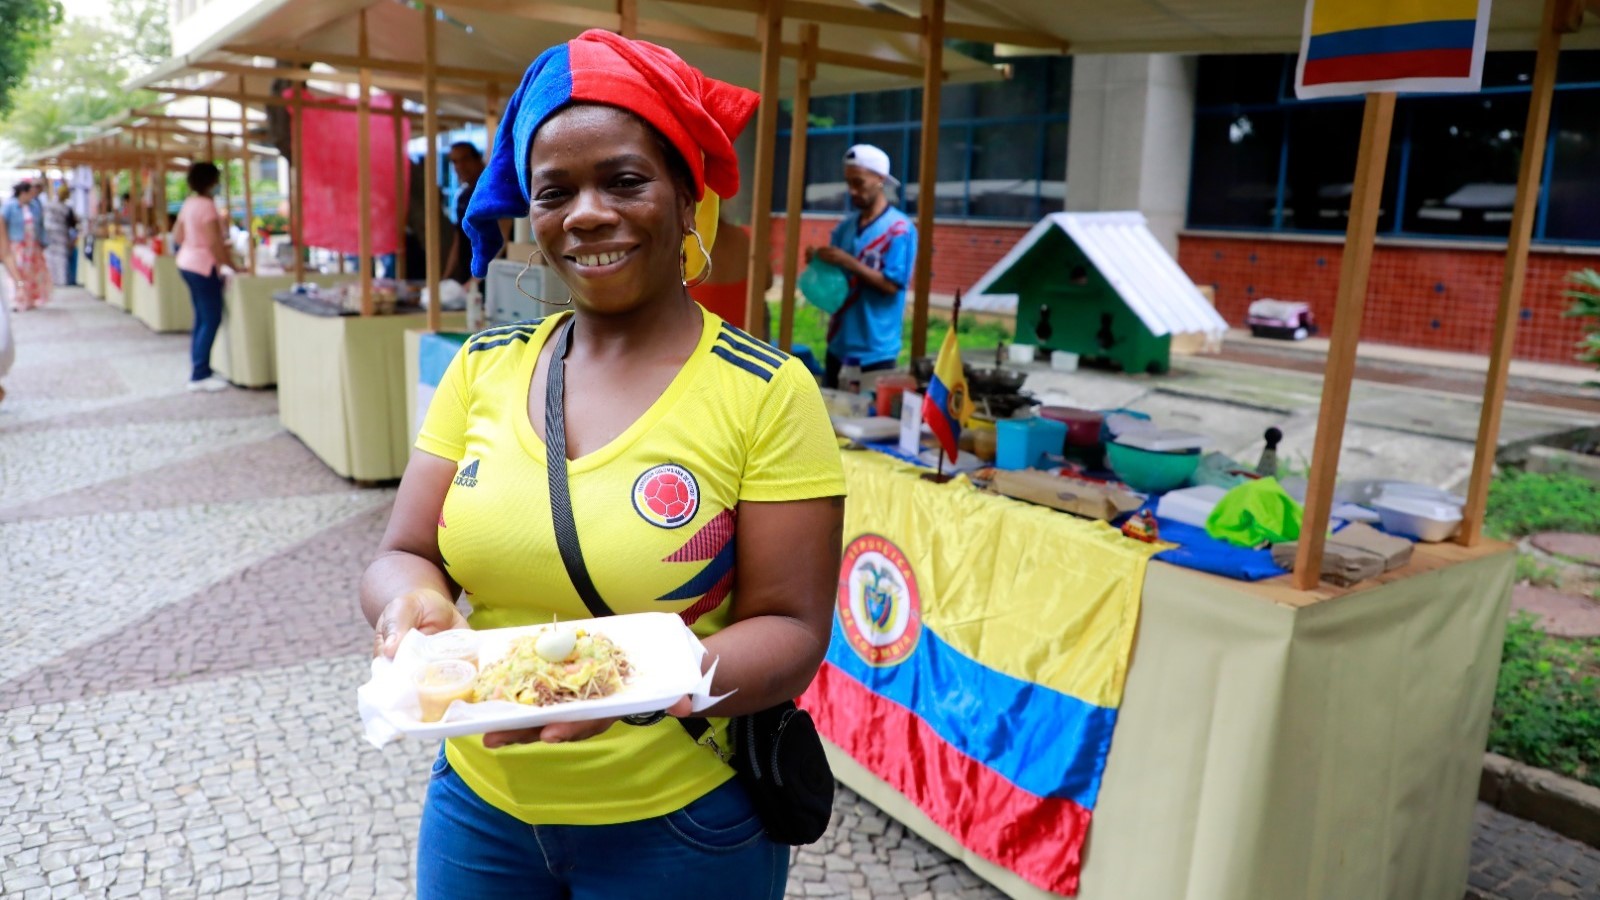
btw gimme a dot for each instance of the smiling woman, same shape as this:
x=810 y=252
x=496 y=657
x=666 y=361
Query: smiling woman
x=686 y=466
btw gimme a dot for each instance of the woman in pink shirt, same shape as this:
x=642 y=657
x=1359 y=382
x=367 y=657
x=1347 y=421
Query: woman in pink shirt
x=202 y=251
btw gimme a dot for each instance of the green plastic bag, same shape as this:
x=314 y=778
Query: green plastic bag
x=824 y=286
x=1255 y=513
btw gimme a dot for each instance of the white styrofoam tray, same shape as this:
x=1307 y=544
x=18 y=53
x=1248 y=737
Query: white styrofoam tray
x=664 y=654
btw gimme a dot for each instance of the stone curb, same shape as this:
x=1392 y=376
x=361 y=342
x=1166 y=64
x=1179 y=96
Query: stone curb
x=1561 y=804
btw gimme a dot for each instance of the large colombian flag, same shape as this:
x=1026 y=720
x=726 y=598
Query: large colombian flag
x=1357 y=46
x=977 y=662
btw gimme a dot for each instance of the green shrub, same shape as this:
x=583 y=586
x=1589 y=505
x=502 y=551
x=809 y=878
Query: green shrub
x=1547 y=702
x=1523 y=503
x=1586 y=305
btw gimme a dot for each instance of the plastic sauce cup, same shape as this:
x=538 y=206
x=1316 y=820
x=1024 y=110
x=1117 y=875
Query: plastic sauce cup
x=443 y=682
x=457 y=643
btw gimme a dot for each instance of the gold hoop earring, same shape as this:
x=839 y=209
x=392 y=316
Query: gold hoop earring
x=524 y=291
x=705 y=274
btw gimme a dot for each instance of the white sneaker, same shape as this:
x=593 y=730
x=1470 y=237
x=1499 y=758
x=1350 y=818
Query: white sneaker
x=208 y=385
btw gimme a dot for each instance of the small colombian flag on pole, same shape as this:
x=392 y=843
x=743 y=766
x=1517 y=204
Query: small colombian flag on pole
x=946 y=407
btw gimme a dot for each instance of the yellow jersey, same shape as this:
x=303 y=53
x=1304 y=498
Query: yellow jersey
x=656 y=511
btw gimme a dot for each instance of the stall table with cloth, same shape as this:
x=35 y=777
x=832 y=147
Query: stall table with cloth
x=245 y=352
x=157 y=294
x=1033 y=694
x=115 y=270
x=89 y=274
x=341 y=384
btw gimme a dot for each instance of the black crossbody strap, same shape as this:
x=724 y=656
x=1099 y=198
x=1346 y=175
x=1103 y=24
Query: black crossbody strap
x=555 y=441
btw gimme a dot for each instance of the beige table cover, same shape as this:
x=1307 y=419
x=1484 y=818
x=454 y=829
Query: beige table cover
x=1275 y=745
x=162 y=305
x=89 y=274
x=114 y=293
x=342 y=387
x=246 y=352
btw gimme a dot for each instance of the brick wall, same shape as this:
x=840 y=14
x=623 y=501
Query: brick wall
x=962 y=252
x=1433 y=298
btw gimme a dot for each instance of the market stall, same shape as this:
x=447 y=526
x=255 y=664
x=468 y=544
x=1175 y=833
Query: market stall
x=342 y=384
x=157 y=295
x=89 y=274
x=246 y=349
x=1066 y=707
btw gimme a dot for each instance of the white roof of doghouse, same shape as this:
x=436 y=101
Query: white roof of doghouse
x=1130 y=258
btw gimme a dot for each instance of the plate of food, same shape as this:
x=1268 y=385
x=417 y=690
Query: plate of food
x=465 y=682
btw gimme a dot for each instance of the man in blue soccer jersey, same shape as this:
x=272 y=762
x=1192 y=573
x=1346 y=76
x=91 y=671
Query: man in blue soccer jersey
x=876 y=248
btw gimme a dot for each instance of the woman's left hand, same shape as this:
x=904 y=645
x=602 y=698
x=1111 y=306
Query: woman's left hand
x=563 y=732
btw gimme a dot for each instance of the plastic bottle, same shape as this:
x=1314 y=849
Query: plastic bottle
x=850 y=375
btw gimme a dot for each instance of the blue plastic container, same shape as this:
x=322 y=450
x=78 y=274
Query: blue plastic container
x=1023 y=443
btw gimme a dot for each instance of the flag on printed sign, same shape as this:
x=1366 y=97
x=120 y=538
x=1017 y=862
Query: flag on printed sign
x=1361 y=46
x=945 y=406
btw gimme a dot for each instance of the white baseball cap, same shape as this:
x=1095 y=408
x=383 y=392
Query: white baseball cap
x=871 y=158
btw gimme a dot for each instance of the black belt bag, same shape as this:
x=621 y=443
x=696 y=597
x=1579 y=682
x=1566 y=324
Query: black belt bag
x=776 y=752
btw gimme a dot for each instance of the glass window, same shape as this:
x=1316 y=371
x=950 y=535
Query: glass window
x=1573 y=189
x=825 y=189
x=830 y=112
x=1578 y=67
x=1240 y=80
x=882 y=107
x=1234 y=182
x=1463 y=173
x=1053 y=190
x=1324 y=140
x=1005 y=171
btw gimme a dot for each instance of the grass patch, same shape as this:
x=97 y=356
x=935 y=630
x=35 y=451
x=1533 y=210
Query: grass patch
x=811 y=329
x=1536 y=573
x=1547 y=702
x=1524 y=503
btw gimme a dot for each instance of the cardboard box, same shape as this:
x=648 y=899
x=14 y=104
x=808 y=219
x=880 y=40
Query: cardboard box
x=1095 y=501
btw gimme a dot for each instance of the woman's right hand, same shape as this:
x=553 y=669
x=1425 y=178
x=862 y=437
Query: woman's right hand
x=424 y=609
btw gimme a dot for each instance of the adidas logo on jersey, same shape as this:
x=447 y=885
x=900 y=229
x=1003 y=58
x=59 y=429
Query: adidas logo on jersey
x=468 y=476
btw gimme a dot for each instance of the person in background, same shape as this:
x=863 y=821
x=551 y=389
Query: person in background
x=65 y=196
x=876 y=248
x=24 y=222
x=726 y=288
x=202 y=252
x=57 y=234
x=468 y=163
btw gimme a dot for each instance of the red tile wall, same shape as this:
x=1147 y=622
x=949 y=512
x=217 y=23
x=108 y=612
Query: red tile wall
x=962 y=253
x=1437 y=299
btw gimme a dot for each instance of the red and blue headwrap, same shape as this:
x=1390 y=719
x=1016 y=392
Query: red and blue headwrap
x=698 y=115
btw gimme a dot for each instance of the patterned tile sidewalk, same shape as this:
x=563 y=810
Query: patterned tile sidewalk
x=182 y=642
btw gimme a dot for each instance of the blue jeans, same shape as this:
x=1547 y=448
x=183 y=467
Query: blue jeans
x=712 y=848
x=205 y=292
x=72 y=265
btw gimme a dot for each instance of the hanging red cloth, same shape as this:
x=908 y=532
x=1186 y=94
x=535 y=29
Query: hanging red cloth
x=329 y=177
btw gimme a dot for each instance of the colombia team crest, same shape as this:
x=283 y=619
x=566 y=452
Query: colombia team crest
x=666 y=496
x=879 y=607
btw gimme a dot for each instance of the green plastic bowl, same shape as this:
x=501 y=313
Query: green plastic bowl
x=1148 y=471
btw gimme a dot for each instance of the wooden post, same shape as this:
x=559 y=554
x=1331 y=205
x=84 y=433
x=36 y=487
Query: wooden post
x=249 y=203
x=491 y=114
x=297 y=199
x=1516 y=273
x=1365 y=201
x=430 y=130
x=928 y=169
x=135 y=194
x=211 y=146
x=797 y=180
x=158 y=192
x=364 y=170
x=402 y=200
x=628 y=16
x=769 y=29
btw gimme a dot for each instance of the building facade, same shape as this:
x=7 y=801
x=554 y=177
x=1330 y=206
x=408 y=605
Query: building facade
x=1250 y=187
